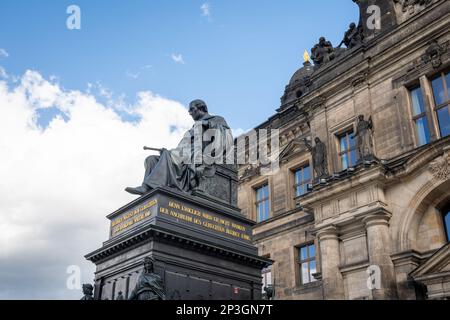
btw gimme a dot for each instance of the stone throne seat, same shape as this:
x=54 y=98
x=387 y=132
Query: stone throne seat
x=222 y=186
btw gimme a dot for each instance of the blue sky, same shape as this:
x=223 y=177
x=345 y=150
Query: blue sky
x=238 y=59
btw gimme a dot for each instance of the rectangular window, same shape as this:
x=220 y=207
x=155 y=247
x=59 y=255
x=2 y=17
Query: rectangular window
x=441 y=88
x=267 y=276
x=302 y=179
x=347 y=150
x=262 y=203
x=307 y=263
x=420 y=117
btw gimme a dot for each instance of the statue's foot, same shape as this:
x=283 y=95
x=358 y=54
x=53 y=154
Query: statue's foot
x=140 y=191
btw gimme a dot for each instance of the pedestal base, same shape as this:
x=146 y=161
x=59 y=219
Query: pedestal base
x=203 y=250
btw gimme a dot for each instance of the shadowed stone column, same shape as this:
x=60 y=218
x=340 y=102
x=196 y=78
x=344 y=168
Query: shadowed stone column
x=333 y=284
x=378 y=242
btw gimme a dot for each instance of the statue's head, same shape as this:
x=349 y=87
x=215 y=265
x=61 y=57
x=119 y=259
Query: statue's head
x=361 y=117
x=149 y=264
x=317 y=140
x=352 y=25
x=88 y=289
x=197 y=109
x=322 y=40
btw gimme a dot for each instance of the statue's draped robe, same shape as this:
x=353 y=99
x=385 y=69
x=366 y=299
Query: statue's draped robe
x=177 y=168
x=149 y=287
x=365 y=147
x=320 y=160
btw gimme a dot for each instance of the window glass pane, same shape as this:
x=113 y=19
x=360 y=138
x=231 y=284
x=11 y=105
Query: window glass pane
x=298 y=177
x=267 y=209
x=353 y=157
x=258 y=194
x=303 y=253
x=312 y=251
x=344 y=160
x=266 y=191
x=444 y=121
x=423 y=133
x=300 y=191
x=305 y=273
x=260 y=212
x=417 y=101
x=438 y=91
x=343 y=143
x=305 y=188
x=447 y=79
x=447 y=225
x=352 y=141
x=312 y=270
x=306 y=173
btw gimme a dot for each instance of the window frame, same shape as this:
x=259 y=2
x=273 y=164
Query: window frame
x=425 y=114
x=303 y=182
x=308 y=261
x=435 y=107
x=263 y=200
x=347 y=134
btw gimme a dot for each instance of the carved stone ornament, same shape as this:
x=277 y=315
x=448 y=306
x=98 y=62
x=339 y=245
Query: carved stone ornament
x=360 y=78
x=314 y=104
x=440 y=168
x=410 y=5
x=250 y=171
x=434 y=53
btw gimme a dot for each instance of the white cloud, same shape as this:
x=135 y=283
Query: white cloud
x=59 y=183
x=3 y=73
x=178 y=58
x=3 y=53
x=206 y=9
x=132 y=75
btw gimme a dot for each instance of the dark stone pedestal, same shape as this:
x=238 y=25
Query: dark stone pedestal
x=202 y=248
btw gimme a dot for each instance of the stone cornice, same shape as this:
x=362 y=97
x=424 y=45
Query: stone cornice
x=361 y=177
x=160 y=234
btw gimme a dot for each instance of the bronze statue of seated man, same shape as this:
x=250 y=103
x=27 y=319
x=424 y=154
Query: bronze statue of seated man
x=180 y=168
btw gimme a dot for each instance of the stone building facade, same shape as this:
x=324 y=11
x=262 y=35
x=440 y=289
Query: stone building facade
x=376 y=227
